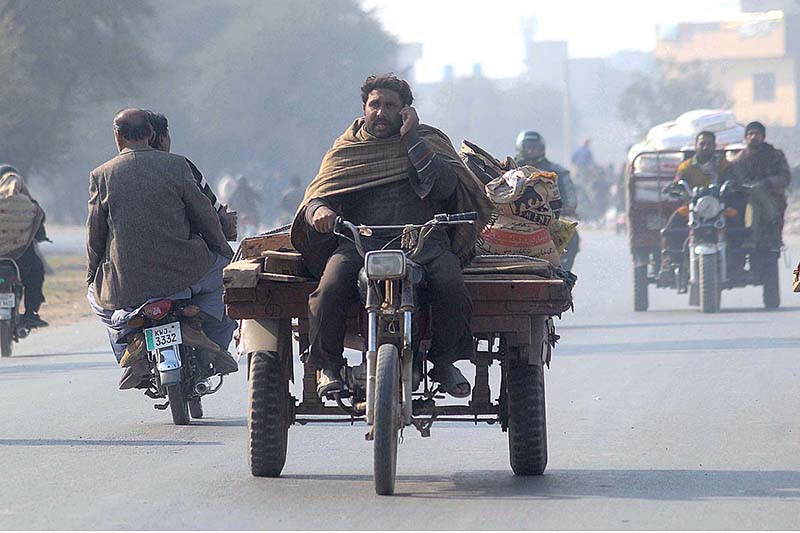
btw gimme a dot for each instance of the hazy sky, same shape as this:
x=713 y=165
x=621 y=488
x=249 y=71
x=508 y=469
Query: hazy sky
x=463 y=32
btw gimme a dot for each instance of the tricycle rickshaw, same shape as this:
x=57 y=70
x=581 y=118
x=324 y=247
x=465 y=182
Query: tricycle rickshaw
x=514 y=300
x=715 y=254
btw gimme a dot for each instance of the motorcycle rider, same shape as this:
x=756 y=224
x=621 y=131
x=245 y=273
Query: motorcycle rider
x=531 y=150
x=31 y=267
x=388 y=169
x=706 y=167
x=765 y=167
x=164 y=240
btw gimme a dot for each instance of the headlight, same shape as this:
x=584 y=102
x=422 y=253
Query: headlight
x=707 y=207
x=385 y=264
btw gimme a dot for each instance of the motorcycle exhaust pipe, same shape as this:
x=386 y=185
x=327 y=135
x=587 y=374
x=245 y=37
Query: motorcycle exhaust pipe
x=202 y=387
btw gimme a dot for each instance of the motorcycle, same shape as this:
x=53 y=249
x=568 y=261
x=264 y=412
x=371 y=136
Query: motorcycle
x=389 y=285
x=11 y=292
x=714 y=256
x=179 y=372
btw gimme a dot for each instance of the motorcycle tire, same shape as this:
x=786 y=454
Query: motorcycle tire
x=770 y=274
x=526 y=413
x=709 y=283
x=178 y=405
x=6 y=339
x=268 y=414
x=640 y=282
x=387 y=417
x=196 y=408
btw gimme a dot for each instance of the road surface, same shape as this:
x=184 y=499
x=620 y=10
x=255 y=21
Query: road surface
x=666 y=419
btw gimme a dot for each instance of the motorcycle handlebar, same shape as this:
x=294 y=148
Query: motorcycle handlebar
x=457 y=217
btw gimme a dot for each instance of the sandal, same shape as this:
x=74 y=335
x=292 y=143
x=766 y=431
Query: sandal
x=328 y=382
x=451 y=380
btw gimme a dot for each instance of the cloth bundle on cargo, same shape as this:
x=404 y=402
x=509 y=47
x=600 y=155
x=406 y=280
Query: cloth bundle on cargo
x=20 y=216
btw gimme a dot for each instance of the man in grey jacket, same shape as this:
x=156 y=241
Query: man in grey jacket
x=151 y=233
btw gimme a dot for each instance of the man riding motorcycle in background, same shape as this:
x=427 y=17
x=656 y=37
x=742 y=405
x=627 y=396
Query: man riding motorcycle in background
x=765 y=168
x=24 y=254
x=531 y=150
x=705 y=168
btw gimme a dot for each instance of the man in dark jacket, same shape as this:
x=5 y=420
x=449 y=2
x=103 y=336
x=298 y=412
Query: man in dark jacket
x=765 y=167
x=151 y=233
x=389 y=169
x=531 y=150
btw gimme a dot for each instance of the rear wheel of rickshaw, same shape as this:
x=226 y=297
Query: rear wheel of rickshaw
x=268 y=416
x=709 y=283
x=527 y=421
x=640 y=282
x=6 y=339
x=386 y=422
x=769 y=273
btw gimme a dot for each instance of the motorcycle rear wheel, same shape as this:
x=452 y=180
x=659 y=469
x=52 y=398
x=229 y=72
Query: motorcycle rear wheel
x=387 y=419
x=178 y=404
x=268 y=416
x=195 y=408
x=770 y=275
x=6 y=339
x=526 y=411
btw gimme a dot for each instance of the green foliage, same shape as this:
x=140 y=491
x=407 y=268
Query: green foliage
x=56 y=57
x=667 y=91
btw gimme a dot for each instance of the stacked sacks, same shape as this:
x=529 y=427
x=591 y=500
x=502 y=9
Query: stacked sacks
x=20 y=217
x=526 y=200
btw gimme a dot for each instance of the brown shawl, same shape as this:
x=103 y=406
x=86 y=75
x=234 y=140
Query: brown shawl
x=358 y=161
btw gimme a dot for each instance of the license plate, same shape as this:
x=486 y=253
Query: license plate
x=7 y=299
x=163 y=336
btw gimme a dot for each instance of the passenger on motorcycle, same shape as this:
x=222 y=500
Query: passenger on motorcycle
x=151 y=233
x=388 y=169
x=764 y=166
x=161 y=140
x=24 y=252
x=705 y=168
x=531 y=150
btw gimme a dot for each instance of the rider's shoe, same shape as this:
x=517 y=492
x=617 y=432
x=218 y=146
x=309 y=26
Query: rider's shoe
x=329 y=380
x=451 y=380
x=224 y=363
x=137 y=375
x=33 y=320
x=136 y=350
x=210 y=351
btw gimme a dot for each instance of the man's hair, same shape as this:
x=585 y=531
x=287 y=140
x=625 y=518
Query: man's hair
x=158 y=122
x=704 y=133
x=132 y=124
x=387 y=81
x=755 y=125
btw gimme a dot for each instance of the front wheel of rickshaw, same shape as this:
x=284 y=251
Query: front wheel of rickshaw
x=526 y=412
x=640 y=282
x=386 y=422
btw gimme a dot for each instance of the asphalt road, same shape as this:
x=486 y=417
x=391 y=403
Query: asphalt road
x=666 y=419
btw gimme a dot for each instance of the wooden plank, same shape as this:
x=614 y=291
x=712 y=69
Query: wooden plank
x=241 y=274
x=253 y=247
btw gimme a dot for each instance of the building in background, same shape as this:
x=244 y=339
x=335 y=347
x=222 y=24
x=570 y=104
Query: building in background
x=754 y=60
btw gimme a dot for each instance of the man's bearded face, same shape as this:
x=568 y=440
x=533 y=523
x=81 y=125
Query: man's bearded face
x=382 y=113
x=705 y=147
x=754 y=138
x=532 y=150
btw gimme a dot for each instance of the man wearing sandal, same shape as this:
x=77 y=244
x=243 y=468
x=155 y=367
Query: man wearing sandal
x=387 y=169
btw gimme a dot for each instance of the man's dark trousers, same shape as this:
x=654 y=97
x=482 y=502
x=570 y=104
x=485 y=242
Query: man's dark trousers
x=328 y=305
x=31 y=271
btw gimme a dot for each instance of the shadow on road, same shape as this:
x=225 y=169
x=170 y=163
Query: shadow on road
x=674 y=345
x=650 y=325
x=103 y=442
x=679 y=485
x=55 y=367
x=60 y=354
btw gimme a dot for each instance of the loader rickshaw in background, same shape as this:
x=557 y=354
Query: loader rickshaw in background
x=718 y=253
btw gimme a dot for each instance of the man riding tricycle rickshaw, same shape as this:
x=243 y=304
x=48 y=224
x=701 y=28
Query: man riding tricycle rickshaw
x=704 y=220
x=380 y=261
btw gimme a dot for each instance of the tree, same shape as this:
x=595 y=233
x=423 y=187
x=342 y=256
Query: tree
x=667 y=91
x=56 y=57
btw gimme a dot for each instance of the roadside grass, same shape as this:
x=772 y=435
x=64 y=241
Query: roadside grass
x=65 y=290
